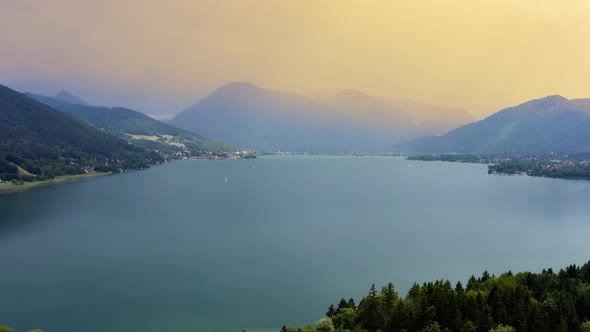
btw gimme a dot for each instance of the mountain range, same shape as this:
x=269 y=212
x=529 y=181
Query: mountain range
x=261 y=119
x=41 y=136
x=550 y=124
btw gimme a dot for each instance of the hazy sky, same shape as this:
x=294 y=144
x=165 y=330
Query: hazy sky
x=161 y=56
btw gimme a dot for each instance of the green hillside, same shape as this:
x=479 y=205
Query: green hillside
x=37 y=139
x=138 y=128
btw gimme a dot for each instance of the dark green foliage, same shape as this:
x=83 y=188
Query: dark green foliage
x=331 y=311
x=535 y=167
x=525 y=302
x=569 y=166
x=48 y=143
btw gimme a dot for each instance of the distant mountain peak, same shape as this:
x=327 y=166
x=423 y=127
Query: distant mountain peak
x=68 y=97
x=548 y=100
x=238 y=90
x=549 y=105
x=239 y=86
x=554 y=98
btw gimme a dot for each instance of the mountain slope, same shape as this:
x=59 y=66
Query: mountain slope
x=253 y=117
x=67 y=97
x=137 y=127
x=257 y=118
x=433 y=118
x=44 y=142
x=550 y=124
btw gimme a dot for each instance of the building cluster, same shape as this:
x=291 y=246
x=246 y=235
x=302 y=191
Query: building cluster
x=243 y=154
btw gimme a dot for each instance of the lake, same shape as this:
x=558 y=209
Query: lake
x=179 y=248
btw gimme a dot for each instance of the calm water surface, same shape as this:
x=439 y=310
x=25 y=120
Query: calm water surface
x=177 y=248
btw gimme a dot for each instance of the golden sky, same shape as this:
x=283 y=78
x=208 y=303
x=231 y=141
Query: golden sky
x=162 y=55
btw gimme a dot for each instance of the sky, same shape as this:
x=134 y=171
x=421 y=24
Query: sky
x=161 y=56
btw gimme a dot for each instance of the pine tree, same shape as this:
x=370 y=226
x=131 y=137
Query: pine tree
x=331 y=311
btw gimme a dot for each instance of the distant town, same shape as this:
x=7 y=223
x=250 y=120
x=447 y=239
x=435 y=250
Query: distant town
x=188 y=155
x=553 y=165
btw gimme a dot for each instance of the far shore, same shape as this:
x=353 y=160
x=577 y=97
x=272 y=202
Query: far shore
x=6 y=188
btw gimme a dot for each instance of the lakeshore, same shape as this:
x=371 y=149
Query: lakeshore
x=549 y=166
x=9 y=187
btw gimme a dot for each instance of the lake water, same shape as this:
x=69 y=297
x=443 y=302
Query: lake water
x=177 y=248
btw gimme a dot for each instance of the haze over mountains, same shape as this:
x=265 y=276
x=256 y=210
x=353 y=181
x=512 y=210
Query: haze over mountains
x=260 y=119
x=256 y=118
x=550 y=124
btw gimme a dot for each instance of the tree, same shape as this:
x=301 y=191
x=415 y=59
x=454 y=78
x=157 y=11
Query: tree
x=342 y=304
x=459 y=287
x=432 y=327
x=4 y=328
x=502 y=328
x=345 y=319
x=324 y=325
x=468 y=327
x=368 y=311
x=351 y=303
x=331 y=311
x=386 y=305
x=472 y=283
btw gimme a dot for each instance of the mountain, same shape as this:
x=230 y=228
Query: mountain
x=67 y=97
x=433 y=118
x=257 y=118
x=550 y=124
x=252 y=117
x=366 y=110
x=137 y=127
x=582 y=104
x=395 y=113
x=39 y=142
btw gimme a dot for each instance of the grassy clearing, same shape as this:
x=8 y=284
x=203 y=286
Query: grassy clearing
x=164 y=139
x=145 y=137
x=6 y=188
x=23 y=172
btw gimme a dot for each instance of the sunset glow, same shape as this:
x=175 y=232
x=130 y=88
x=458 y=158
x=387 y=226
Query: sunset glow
x=161 y=56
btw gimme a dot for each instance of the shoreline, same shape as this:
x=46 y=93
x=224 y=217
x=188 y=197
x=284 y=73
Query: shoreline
x=8 y=188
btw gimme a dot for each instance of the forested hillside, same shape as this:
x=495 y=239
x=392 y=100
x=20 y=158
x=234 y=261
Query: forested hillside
x=522 y=302
x=38 y=143
x=137 y=127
